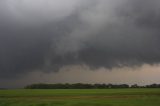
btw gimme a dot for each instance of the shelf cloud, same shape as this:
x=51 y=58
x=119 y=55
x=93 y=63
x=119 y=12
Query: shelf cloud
x=47 y=35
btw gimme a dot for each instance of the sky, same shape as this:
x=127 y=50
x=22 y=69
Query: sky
x=72 y=41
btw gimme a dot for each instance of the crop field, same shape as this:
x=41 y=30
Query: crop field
x=80 y=97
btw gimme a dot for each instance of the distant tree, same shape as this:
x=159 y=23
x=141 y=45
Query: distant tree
x=134 y=86
x=153 y=86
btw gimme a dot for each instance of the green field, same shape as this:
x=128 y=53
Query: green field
x=83 y=97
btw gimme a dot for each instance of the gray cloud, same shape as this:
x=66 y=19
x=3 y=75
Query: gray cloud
x=99 y=33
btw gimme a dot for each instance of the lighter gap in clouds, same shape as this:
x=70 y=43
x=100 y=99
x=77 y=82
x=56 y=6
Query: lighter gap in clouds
x=146 y=74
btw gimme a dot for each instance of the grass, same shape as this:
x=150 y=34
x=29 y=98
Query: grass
x=83 y=97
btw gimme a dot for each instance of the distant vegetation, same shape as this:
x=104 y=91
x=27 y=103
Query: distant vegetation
x=87 y=86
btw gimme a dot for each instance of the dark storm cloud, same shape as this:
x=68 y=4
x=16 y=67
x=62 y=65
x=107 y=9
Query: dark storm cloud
x=39 y=35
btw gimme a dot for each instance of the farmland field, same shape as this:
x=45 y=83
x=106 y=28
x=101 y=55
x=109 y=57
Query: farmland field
x=83 y=97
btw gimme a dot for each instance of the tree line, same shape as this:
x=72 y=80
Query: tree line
x=86 y=86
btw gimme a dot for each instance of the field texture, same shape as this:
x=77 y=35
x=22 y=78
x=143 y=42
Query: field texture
x=83 y=97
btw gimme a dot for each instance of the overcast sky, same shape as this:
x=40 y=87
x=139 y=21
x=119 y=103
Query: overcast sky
x=104 y=41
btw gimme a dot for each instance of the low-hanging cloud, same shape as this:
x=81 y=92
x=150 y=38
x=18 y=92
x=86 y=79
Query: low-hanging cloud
x=47 y=35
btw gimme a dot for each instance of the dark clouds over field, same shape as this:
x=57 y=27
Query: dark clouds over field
x=46 y=35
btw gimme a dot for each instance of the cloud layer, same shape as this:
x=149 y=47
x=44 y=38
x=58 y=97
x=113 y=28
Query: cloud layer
x=49 y=34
